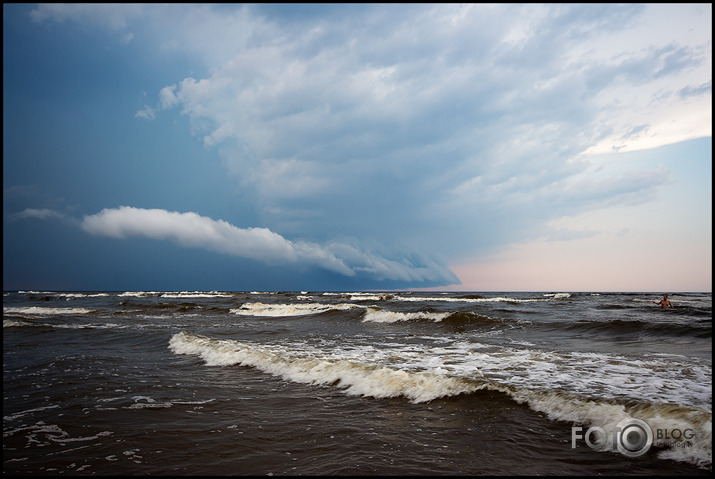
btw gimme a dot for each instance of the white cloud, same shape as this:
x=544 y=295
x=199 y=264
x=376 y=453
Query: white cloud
x=167 y=97
x=146 y=113
x=39 y=213
x=333 y=90
x=193 y=230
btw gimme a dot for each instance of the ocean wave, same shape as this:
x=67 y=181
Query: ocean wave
x=289 y=309
x=139 y=294
x=358 y=296
x=177 y=294
x=377 y=315
x=354 y=378
x=665 y=419
x=69 y=296
x=664 y=379
x=372 y=314
x=197 y=294
x=634 y=326
x=10 y=323
x=36 y=311
x=565 y=387
x=558 y=295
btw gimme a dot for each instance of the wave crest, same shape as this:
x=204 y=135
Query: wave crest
x=371 y=377
x=354 y=377
x=278 y=310
x=377 y=315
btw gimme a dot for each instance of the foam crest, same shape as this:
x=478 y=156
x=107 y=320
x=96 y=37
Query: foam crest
x=354 y=377
x=607 y=377
x=558 y=295
x=279 y=310
x=176 y=294
x=666 y=418
x=586 y=389
x=43 y=312
x=9 y=323
x=81 y=295
x=378 y=315
x=138 y=294
x=357 y=296
x=196 y=294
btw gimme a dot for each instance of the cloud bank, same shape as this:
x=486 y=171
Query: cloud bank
x=445 y=116
x=453 y=131
x=261 y=244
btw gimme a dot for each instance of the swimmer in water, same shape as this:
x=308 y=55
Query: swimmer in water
x=665 y=302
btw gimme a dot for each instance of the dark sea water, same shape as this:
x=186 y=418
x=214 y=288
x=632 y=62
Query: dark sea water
x=312 y=383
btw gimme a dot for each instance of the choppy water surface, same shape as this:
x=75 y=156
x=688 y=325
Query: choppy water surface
x=321 y=383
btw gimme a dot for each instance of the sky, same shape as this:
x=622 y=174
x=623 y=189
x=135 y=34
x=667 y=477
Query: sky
x=478 y=147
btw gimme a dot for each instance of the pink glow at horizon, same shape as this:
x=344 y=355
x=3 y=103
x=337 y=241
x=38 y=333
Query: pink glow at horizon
x=562 y=266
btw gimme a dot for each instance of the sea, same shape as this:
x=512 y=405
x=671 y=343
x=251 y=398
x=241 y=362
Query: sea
x=317 y=383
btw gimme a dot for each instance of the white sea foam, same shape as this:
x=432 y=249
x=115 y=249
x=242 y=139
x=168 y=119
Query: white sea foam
x=10 y=323
x=558 y=295
x=664 y=420
x=354 y=377
x=177 y=294
x=145 y=402
x=19 y=415
x=586 y=374
x=196 y=294
x=372 y=314
x=45 y=434
x=81 y=295
x=43 y=312
x=581 y=388
x=138 y=294
x=279 y=310
x=369 y=296
x=378 y=315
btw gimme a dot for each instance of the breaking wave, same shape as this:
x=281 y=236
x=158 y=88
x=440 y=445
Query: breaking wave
x=358 y=374
x=294 y=309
